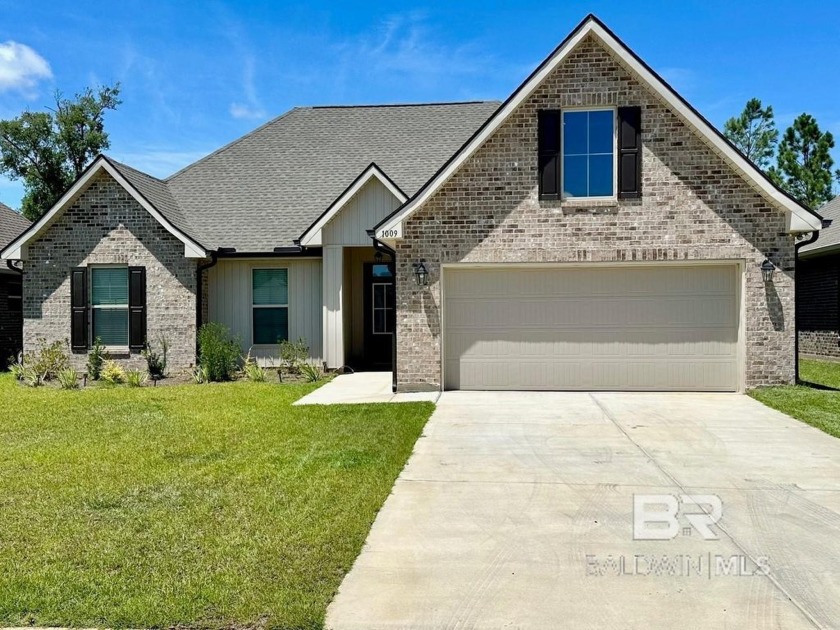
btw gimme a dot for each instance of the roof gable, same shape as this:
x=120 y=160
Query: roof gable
x=799 y=218
x=125 y=177
x=312 y=237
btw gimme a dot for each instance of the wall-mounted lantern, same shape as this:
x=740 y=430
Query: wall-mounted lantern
x=421 y=274
x=767 y=269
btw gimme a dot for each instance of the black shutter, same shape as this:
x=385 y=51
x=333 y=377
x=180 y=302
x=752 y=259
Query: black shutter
x=629 y=152
x=136 y=308
x=78 y=309
x=550 y=126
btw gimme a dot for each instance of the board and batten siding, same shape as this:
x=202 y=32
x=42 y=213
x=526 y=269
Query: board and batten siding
x=365 y=209
x=230 y=301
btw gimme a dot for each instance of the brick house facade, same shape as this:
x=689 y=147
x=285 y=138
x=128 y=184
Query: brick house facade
x=693 y=207
x=682 y=233
x=107 y=226
x=819 y=305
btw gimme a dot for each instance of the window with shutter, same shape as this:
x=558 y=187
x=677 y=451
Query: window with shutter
x=590 y=153
x=109 y=305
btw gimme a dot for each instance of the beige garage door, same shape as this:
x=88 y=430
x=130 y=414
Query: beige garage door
x=652 y=328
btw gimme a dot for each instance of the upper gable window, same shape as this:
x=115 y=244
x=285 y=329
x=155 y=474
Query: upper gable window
x=588 y=153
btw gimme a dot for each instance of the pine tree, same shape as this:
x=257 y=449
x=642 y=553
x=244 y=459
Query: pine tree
x=754 y=133
x=804 y=162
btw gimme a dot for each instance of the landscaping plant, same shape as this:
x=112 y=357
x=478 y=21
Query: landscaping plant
x=293 y=354
x=156 y=362
x=252 y=370
x=311 y=372
x=218 y=352
x=112 y=373
x=68 y=378
x=136 y=378
x=96 y=357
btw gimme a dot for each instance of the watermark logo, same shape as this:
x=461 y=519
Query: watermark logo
x=658 y=516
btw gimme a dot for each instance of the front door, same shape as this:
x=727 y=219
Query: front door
x=380 y=314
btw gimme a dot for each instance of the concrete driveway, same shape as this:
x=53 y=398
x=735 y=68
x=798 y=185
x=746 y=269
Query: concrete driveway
x=516 y=511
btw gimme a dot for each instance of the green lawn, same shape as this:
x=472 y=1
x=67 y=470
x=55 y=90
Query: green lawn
x=816 y=401
x=204 y=506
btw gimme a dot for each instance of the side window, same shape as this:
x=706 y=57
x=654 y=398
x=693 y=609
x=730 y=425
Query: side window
x=270 y=305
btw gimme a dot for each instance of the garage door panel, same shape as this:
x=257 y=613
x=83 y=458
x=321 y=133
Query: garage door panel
x=640 y=328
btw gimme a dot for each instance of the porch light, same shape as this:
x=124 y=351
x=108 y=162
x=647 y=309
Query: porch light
x=421 y=274
x=767 y=269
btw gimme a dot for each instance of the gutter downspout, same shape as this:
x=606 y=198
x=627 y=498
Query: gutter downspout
x=199 y=294
x=382 y=247
x=12 y=267
x=797 y=246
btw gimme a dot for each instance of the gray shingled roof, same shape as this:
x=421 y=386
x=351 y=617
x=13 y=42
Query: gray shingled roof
x=157 y=193
x=265 y=189
x=11 y=225
x=829 y=238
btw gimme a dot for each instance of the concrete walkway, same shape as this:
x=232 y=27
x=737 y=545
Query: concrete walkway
x=361 y=387
x=516 y=511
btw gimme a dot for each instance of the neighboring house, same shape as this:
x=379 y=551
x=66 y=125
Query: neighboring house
x=818 y=286
x=591 y=232
x=11 y=302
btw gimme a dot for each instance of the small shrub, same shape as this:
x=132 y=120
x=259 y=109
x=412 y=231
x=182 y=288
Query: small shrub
x=96 y=357
x=293 y=354
x=311 y=372
x=218 y=352
x=112 y=373
x=136 y=378
x=68 y=378
x=199 y=375
x=252 y=370
x=17 y=368
x=49 y=359
x=30 y=377
x=156 y=361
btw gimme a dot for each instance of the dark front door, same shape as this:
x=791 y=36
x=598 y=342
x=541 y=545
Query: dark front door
x=380 y=314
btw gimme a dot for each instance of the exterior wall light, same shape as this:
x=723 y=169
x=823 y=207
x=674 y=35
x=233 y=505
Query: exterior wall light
x=767 y=269
x=421 y=274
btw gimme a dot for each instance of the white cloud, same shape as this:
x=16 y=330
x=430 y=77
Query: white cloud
x=251 y=108
x=242 y=111
x=21 y=67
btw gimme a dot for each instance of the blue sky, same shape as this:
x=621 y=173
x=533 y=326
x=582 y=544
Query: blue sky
x=196 y=75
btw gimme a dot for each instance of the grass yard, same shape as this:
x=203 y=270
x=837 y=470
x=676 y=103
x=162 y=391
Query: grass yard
x=203 y=506
x=817 y=402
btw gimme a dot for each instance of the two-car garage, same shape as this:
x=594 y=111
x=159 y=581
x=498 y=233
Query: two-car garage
x=655 y=327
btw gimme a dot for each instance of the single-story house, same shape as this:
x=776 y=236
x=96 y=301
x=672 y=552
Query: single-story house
x=11 y=295
x=593 y=231
x=818 y=287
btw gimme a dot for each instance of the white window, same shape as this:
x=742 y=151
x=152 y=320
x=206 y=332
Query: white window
x=109 y=305
x=588 y=138
x=270 y=305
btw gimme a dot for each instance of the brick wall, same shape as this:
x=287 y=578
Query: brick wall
x=11 y=321
x=819 y=310
x=107 y=226
x=694 y=207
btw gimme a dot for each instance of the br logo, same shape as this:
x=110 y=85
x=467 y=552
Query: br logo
x=657 y=516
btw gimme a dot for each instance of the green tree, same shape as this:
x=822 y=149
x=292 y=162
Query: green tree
x=804 y=162
x=754 y=133
x=49 y=150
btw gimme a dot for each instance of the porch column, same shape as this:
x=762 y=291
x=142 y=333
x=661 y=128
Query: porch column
x=333 y=270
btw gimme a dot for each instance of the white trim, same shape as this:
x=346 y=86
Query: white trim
x=312 y=236
x=737 y=264
x=16 y=250
x=798 y=218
